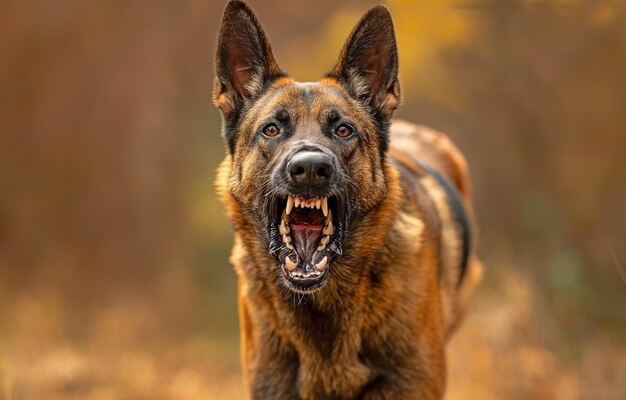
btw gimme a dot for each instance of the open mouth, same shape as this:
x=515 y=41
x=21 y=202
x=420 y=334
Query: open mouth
x=306 y=237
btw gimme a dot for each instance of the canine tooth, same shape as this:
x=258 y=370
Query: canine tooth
x=325 y=206
x=325 y=240
x=290 y=264
x=321 y=247
x=328 y=230
x=284 y=229
x=286 y=239
x=289 y=204
x=322 y=264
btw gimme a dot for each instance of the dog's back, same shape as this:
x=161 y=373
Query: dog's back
x=433 y=165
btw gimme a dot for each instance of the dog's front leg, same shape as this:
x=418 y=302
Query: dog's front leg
x=422 y=375
x=270 y=363
x=275 y=372
x=401 y=389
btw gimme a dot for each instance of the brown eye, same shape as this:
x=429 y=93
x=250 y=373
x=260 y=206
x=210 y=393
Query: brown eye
x=271 y=130
x=343 y=131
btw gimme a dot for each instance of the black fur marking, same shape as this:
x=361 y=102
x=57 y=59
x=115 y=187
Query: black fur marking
x=282 y=116
x=333 y=117
x=459 y=214
x=382 y=127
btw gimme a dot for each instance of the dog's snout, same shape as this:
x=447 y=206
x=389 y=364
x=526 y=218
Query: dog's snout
x=310 y=168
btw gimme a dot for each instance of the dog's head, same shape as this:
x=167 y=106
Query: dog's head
x=305 y=160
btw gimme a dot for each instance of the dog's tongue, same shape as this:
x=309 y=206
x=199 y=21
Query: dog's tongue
x=306 y=231
x=306 y=242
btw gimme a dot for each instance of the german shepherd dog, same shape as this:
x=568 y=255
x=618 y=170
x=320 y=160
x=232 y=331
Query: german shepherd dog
x=353 y=233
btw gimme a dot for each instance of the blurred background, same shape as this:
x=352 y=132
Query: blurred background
x=114 y=279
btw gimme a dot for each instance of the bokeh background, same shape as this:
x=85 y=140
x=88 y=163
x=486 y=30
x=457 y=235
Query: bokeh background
x=114 y=280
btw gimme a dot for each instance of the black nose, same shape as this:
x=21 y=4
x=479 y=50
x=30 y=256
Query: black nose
x=310 y=168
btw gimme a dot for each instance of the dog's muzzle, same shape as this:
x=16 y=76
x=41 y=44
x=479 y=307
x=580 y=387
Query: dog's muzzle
x=308 y=215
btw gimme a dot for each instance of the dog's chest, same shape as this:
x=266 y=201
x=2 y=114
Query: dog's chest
x=332 y=378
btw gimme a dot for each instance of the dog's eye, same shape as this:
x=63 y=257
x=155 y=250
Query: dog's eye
x=343 y=131
x=271 y=130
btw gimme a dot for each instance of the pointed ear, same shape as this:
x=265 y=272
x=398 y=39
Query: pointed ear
x=244 y=60
x=368 y=62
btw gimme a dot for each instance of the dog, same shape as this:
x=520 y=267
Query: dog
x=353 y=232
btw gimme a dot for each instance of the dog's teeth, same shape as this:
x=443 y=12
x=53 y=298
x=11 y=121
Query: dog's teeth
x=328 y=230
x=289 y=204
x=318 y=204
x=325 y=206
x=321 y=247
x=322 y=264
x=287 y=239
x=284 y=229
x=289 y=246
x=290 y=264
x=325 y=240
x=297 y=202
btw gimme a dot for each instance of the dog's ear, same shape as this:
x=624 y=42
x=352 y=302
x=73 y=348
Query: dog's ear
x=244 y=62
x=368 y=62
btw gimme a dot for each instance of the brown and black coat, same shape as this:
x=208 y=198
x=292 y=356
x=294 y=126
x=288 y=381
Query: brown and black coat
x=377 y=329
